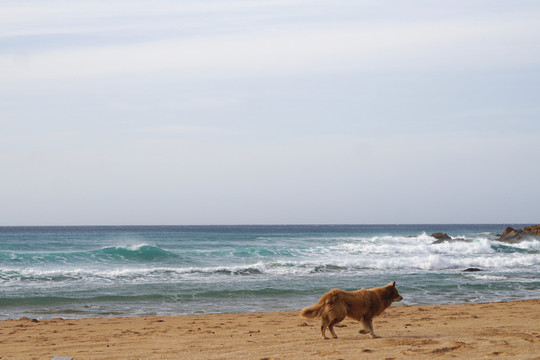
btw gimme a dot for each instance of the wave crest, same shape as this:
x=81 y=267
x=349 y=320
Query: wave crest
x=135 y=253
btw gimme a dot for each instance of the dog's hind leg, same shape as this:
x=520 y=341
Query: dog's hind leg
x=339 y=315
x=331 y=327
x=324 y=325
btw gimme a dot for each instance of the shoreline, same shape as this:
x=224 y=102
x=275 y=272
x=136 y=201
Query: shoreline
x=463 y=331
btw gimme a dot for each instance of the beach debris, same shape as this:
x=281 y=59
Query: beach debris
x=28 y=319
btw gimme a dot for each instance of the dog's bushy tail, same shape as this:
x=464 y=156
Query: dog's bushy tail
x=313 y=311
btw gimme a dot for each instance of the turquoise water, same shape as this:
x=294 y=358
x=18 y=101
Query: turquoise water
x=74 y=272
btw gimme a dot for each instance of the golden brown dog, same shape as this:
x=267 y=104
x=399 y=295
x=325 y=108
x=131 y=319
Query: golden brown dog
x=361 y=305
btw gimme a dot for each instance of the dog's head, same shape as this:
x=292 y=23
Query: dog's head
x=394 y=295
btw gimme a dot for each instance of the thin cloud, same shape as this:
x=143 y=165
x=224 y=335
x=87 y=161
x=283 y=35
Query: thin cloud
x=298 y=49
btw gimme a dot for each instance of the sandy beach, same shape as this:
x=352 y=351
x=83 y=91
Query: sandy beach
x=488 y=330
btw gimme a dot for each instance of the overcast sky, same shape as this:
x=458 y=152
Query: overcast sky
x=269 y=112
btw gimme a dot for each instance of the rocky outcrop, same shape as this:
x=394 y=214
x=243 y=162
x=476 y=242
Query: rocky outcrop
x=535 y=230
x=441 y=237
x=512 y=236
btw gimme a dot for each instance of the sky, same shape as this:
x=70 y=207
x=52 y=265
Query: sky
x=117 y=112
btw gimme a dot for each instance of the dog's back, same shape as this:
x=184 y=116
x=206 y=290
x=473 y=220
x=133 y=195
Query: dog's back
x=369 y=303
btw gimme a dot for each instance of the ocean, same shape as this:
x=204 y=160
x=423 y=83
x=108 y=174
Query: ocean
x=110 y=271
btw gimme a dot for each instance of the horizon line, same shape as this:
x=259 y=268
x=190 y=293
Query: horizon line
x=271 y=224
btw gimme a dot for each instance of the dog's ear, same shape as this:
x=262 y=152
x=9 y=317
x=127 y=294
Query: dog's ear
x=394 y=284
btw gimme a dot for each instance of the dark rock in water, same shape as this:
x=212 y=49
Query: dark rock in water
x=512 y=236
x=450 y=241
x=441 y=236
x=441 y=241
x=471 y=270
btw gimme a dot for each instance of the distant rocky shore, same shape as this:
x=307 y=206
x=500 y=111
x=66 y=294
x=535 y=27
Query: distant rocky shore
x=509 y=235
x=512 y=236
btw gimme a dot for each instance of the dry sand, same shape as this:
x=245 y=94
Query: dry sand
x=478 y=331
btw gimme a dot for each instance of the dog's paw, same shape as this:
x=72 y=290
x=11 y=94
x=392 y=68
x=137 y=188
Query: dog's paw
x=362 y=331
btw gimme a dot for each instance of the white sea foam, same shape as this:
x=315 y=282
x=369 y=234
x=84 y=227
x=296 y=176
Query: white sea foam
x=488 y=277
x=528 y=245
x=378 y=253
x=132 y=247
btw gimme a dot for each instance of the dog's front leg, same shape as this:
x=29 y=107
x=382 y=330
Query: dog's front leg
x=368 y=327
x=364 y=330
x=373 y=335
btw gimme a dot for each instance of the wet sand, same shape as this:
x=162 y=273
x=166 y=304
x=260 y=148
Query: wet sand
x=490 y=331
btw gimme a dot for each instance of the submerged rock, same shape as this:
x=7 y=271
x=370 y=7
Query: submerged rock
x=443 y=237
x=440 y=237
x=512 y=236
x=472 y=270
x=452 y=240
